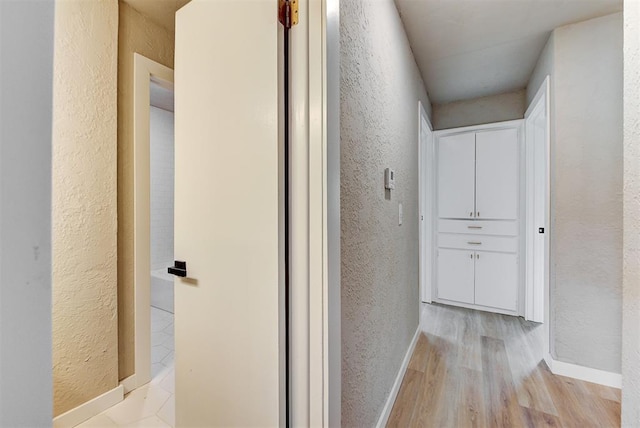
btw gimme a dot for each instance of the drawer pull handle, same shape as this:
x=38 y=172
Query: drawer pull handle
x=474 y=227
x=474 y=243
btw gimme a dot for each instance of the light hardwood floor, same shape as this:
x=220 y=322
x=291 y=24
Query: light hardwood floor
x=478 y=369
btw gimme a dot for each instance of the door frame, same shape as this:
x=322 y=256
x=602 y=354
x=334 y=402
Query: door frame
x=532 y=296
x=426 y=193
x=315 y=216
x=144 y=70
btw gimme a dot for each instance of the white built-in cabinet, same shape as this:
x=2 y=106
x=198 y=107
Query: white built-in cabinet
x=477 y=204
x=478 y=175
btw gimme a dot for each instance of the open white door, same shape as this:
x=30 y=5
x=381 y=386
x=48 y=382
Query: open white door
x=229 y=309
x=427 y=191
x=537 y=216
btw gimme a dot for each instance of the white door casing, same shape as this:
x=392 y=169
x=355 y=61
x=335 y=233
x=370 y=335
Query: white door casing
x=426 y=189
x=537 y=140
x=229 y=309
x=144 y=71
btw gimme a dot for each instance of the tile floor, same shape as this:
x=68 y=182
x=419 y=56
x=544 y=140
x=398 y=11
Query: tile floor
x=153 y=405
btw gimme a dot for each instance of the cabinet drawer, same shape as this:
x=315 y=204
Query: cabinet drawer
x=505 y=244
x=480 y=227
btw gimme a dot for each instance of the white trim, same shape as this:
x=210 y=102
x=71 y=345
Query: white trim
x=309 y=284
x=545 y=90
x=89 y=409
x=426 y=160
x=601 y=377
x=479 y=128
x=476 y=307
x=391 y=399
x=129 y=384
x=333 y=334
x=143 y=69
x=534 y=297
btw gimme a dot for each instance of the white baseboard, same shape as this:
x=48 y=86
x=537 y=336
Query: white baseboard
x=588 y=374
x=89 y=409
x=129 y=384
x=386 y=411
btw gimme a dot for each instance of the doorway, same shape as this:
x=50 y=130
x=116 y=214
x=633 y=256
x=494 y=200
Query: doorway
x=537 y=130
x=161 y=166
x=426 y=191
x=153 y=235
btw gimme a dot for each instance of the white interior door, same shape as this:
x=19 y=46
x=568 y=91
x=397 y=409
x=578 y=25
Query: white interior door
x=426 y=188
x=537 y=224
x=228 y=311
x=496 y=280
x=456 y=176
x=455 y=275
x=497 y=180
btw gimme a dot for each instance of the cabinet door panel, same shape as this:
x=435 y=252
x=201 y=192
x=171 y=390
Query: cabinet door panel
x=497 y=174
x=455 y=275
x=456 y=176
x=496 y=280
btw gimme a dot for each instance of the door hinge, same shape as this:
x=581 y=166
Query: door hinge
x=288 y=13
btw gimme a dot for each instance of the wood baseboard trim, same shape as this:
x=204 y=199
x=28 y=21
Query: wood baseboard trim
x=89 y=409
x=129 y=384
x=386 y=411
x=601 y=377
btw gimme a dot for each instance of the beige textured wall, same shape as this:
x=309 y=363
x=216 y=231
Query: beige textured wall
x=494 y=108
x=85 y=342
x=587 y=297
x=631 y=287
x=585 y=63
x=141 y=35
x=380 y=87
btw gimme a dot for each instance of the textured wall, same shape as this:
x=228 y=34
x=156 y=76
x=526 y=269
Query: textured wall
x=586 y=313
x=380 y=88
x=141 y=35
x=162 y=187
x=544 y=67
x=631 y=288
x=494 y=108
x=85 y=343
x=26 y=78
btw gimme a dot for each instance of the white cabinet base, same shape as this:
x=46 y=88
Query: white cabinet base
x=476 y=307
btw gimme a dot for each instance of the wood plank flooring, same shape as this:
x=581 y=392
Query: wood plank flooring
x=478 y=369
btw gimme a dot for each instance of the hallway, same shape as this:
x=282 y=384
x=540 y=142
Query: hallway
x=473 y=368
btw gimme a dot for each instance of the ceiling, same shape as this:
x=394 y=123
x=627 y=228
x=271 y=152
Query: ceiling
x=472 y=48
x=160 y=11
x=464 y=48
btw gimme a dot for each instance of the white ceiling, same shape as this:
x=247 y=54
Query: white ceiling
x=473 y=48
x=160 y=11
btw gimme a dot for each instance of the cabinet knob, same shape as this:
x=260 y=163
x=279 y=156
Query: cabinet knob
x=471 y=214
x=478 y=213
